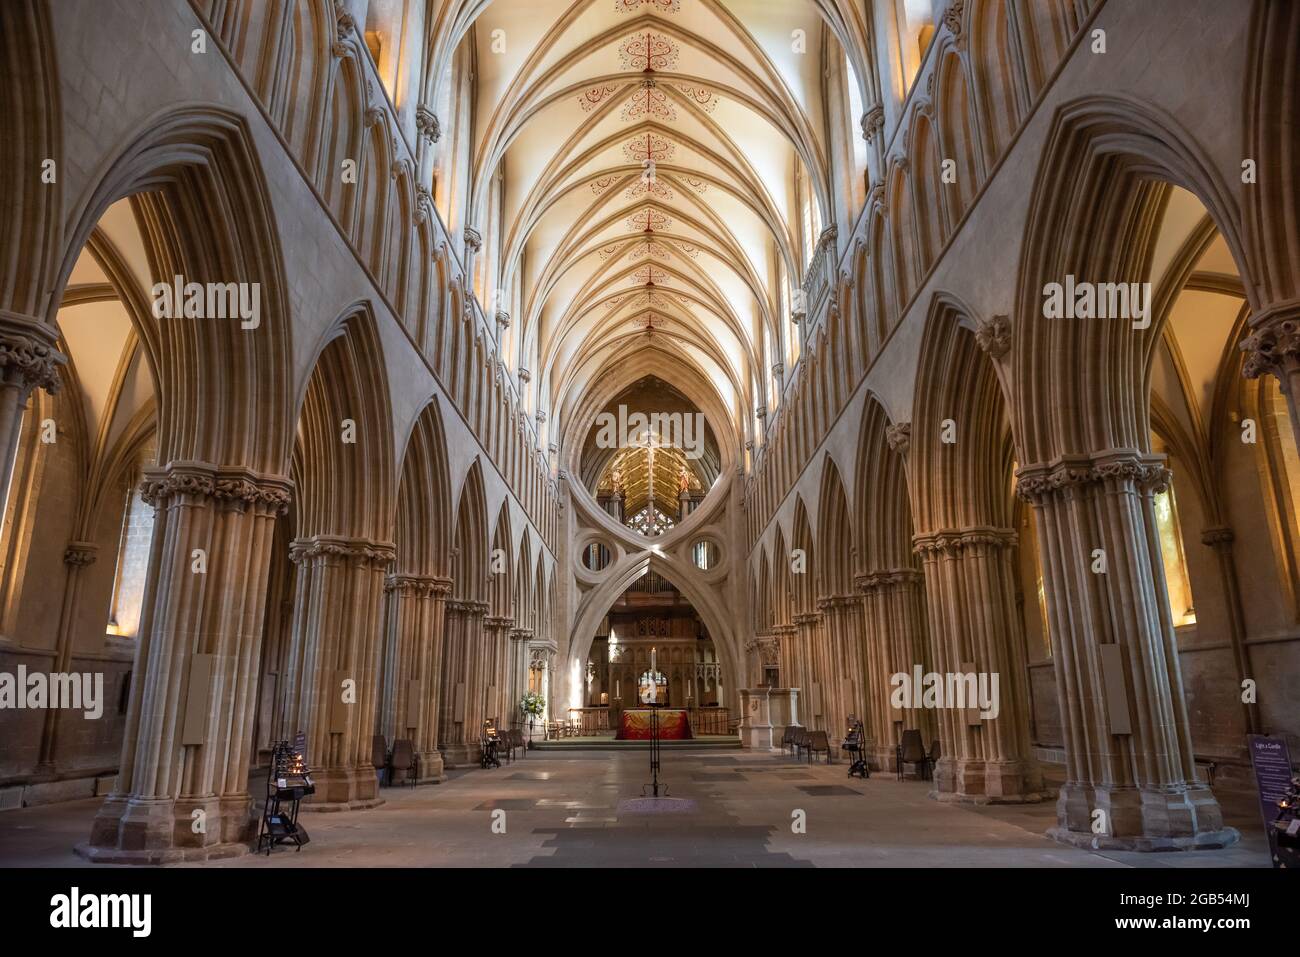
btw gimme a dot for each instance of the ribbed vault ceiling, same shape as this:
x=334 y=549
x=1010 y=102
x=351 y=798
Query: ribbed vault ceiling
x=647 y=153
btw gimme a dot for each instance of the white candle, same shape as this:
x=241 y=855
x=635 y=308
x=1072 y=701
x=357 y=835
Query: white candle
x=617 y=689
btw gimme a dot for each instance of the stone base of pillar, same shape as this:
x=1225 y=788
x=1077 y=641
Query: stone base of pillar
x=959 y=781
x=461 y=755
x=344 y=789
x=1138 y=820
x=168 y=831
x=430 y=767
x=881 y=757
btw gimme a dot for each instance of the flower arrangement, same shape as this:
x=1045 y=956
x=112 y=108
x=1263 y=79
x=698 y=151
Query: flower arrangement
x=532 y=703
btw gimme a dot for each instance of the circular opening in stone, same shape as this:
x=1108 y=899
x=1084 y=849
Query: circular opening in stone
x=705 y=554
x=595 y=557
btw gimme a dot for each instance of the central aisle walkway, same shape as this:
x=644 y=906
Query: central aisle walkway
x=725 y=809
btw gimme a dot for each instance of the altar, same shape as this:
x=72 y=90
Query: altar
x=674 y=724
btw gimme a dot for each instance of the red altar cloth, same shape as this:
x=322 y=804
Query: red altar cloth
x=674 y=724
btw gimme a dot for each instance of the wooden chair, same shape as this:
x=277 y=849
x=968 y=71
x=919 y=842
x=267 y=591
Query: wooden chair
x=379 y=758
x=816 y=742
x=787 y=739
x=403 y=759
x=800 y=741
x=912 y=751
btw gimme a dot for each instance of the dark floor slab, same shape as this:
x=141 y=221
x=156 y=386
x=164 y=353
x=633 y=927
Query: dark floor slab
x=826 y=790
x=705 y=777
x=507 y=804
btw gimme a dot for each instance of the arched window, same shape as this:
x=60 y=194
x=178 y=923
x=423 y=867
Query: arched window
x=1171 y=550
x=132 y=565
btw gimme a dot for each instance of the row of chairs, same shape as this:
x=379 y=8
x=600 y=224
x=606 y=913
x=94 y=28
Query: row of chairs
x=510 y=741
x=400 y=758
x=563 y=729
x=800 y=740
x=910 y=750
x=399 y=765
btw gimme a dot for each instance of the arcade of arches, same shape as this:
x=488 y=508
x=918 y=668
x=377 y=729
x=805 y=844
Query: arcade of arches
x=801 y=255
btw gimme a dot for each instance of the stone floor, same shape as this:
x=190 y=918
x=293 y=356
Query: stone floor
x=724 y=809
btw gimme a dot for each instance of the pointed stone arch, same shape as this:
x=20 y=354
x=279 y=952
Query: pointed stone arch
x=960 y=472
x=343 y=463
x=224 y=390
x=711 y=611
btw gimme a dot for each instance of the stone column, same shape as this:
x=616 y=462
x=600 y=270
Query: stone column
x=182 y=791
x=1273 y=347
x=497 y=650
x=1220 y=538
x=451 y=696
x=517 y=680
x=464 y=683
x=1124 y=715
x=811 y=669
x=28 y=359
x=333 y=673
x=76 y=556
x=843 y=686
x=414 y=654
x=893 y=606
x=969 y=584
x=788 y=648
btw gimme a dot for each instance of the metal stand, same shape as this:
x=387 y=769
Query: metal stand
x=855 y=744
x=655 y=752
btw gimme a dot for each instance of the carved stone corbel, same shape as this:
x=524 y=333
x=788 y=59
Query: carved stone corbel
x=899 y=437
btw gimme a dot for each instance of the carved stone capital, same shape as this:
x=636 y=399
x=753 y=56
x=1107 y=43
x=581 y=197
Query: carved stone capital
x=1218 y=536
x=232 y=487
x=345 y=21
x=994 y=336
x=503 y=319
x=873 y=122
x=899 y=437
x=524 y=375
x=888 y=580
x=826 y=604
x=28 y=357
x=473 y=239
x=426 y=123
x=767 y=647
x=955 y=542
x=952 y=19
x=80 y=554
x=363 y=552
x=1274 y=344
x=418 y=586
x=1070 y=474
x=423 y=203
